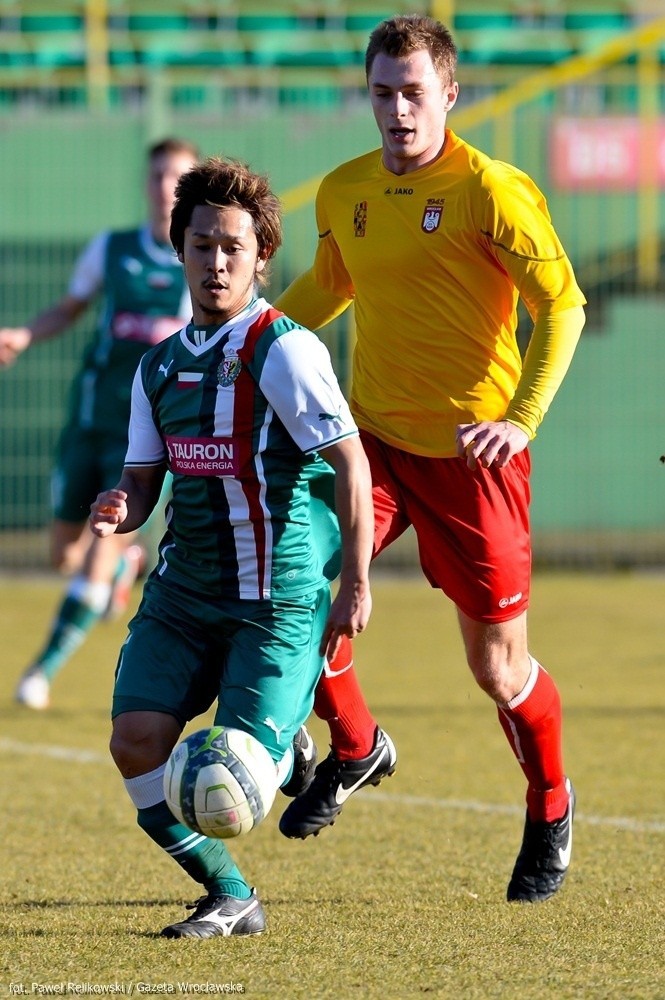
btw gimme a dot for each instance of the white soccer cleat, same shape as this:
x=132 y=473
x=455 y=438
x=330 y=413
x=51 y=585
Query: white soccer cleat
x=34 y=690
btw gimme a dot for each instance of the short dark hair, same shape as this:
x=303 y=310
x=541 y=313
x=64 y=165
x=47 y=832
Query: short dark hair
x=227 y=182
x=172 y=145
x=400 y=36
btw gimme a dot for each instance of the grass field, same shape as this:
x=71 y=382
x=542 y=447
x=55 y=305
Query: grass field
x=404 y=896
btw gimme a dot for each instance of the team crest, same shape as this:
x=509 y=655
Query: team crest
x=432 y=218
x=228 y=371
x=360 y=218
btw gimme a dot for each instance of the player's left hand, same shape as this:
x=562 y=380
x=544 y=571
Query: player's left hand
x=490 y=442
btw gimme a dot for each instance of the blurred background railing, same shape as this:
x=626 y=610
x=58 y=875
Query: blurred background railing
x=572 y=92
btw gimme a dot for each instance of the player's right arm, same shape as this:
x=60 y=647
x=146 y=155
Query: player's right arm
x=323 y=292
x=307 y=302
x=87 y=279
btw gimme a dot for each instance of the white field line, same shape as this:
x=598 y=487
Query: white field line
x=76 y=756
x=468 y=805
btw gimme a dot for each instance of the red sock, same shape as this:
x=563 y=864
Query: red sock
x=340 y=702
x=532 y=723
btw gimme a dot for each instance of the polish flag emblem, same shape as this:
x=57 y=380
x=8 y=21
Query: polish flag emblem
x=188 y=380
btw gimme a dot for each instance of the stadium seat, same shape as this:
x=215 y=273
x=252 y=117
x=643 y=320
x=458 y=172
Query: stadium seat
x=300 y=48
x=590 y=29
x=43 y=20
x=266 y=17
x=157 y=22
x=57 y=48
x=14 y=52
x=465 y=20
x=368 y=20
x=523 y=46
x=191 y=49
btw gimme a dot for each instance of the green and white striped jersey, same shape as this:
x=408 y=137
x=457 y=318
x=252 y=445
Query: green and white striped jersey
x=239 y=413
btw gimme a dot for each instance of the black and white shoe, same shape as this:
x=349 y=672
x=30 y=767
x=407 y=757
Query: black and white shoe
x=220 y=915
x=34 y=689
x=334 y=781
x=304 y=764
x=544 y=857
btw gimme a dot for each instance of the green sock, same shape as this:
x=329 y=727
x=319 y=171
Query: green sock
x=70 y=627
x=205 y=859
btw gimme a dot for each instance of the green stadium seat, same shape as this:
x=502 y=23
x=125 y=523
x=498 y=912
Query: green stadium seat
x=269 y=20
x=580 y=21
x=14 y=51
x=519 y=46
x=591 y=29
x=302 y=48
x=593 y=38
x=58 y=49
x=464 y=20
x=157 y=22
x=54 y=21
x=191 y=49
x=367 y=21
x=122 y=49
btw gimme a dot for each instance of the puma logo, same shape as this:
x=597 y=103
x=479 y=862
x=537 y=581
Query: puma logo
x=165 y=369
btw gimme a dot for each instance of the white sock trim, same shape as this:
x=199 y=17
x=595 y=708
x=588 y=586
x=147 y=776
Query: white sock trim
x=329 y=672
x=94 y=595
x=520 y=698
x=284 y=767
x=146 y=790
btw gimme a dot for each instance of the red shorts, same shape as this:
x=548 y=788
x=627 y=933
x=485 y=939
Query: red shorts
x=472 y=527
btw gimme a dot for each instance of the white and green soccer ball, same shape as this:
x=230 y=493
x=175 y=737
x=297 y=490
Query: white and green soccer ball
x=220 y=782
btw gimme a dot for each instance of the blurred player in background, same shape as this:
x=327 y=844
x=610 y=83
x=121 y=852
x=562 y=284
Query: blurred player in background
x=144 y=299
x=239 y=406
x=434 y=242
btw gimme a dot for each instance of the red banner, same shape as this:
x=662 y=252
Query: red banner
x=617 y=154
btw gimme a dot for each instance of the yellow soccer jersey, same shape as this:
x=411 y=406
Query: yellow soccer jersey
x=435 y=261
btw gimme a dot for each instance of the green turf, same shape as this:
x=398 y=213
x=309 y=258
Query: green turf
x=405 y=895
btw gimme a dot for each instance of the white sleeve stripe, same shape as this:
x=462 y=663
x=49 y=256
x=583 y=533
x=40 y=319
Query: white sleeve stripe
x=144 y=465
x=326 y=444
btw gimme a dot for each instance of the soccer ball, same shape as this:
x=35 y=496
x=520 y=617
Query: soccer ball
x=220 y=782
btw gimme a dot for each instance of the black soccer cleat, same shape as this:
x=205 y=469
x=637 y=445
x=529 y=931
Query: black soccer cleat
x=304 y=764
x=220 y=915
x=544 y=857
x=334 y=781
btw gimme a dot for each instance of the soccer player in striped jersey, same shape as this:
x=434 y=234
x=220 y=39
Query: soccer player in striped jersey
x=143 y=299
x=244 y=409
x=434 y=242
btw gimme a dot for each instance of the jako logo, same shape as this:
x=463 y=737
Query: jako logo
x=505 y=602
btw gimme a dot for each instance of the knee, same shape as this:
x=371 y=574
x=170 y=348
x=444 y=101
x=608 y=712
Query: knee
x=498 y=674
x=134 y=755
x=142 y=741
x=128 y=754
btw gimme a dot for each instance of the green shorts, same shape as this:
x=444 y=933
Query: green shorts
x=259 y=659
x=87 y=462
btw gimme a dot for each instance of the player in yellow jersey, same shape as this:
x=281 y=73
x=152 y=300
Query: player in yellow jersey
x=433 y=241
